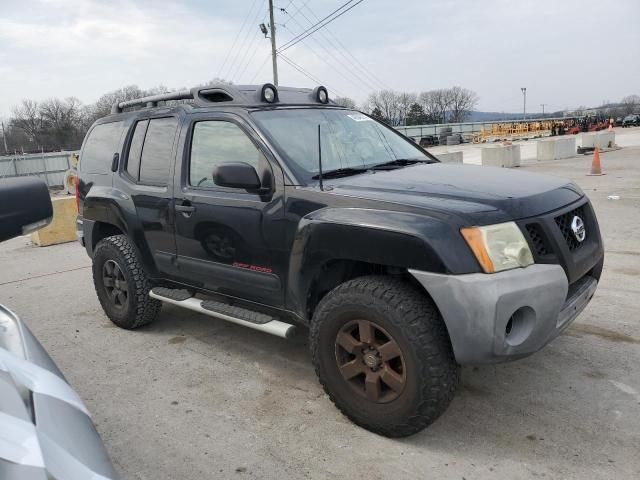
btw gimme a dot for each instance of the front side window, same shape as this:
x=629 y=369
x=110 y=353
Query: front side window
x=155 y=160
x=215 y=142
x=349 y=139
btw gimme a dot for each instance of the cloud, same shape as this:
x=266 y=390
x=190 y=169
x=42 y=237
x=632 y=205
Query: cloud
x=566 y=52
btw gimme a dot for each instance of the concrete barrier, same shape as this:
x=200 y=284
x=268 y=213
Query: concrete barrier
x=555 y=148
x=506 y=156
x=602 y=139
x=450 y=157
x=63 y=226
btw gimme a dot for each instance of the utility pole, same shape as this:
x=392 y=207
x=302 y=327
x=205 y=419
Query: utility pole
x=543 y=105
x=274 y=57
x=524 y=111
x=4 y=139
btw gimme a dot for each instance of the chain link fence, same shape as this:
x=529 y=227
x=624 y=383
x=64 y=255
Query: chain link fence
x=50 y=167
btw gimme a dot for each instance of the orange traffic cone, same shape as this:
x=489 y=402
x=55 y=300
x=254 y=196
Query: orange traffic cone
x=596 y=170
x=610 y=129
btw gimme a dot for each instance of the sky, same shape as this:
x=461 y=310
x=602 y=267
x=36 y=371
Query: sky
x=567 y=53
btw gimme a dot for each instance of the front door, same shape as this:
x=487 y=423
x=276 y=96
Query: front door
x=228 y=240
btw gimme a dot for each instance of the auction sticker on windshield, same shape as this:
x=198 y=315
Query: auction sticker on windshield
x=359 y=117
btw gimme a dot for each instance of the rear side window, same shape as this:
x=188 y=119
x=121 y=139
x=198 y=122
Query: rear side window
x=135 y=149
x=102 y=143
x=157 y=149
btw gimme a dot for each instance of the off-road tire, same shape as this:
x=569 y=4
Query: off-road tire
x=139 y=309
x=414 y=322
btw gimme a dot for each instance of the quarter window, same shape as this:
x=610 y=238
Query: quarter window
x=215 y=142
x=103 y=142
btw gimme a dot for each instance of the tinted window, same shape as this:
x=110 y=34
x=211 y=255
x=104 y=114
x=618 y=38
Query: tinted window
x=215 y=142
x=135 y=149
x=156 y=153
x=103 y=142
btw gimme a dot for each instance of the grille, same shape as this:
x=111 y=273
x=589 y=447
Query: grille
x=537 y=239
x=564 y=223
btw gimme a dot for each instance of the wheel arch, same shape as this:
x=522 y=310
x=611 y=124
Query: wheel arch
x=333 y=246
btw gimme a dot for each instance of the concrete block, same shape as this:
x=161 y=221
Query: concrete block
x=450 y=157
x=602 y=139
x=555 y=148
x=506 y=156
x=63 y=226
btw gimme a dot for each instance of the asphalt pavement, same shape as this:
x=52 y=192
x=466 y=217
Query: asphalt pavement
x=192 y=397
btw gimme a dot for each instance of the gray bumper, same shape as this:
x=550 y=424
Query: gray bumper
x=508 y=315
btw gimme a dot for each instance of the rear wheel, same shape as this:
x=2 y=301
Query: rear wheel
x=122 y=285
x=382 y=354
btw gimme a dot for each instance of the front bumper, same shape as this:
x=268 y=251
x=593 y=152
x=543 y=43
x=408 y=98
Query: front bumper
x=508 y=315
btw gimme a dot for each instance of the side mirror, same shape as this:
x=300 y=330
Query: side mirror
x=236 y=175
x=25 y=206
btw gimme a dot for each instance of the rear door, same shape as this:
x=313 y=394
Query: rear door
x=148 y=172
x=229 y=240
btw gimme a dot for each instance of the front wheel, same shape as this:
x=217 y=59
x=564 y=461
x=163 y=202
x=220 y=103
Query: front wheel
x=122 y=285
x=383 y=355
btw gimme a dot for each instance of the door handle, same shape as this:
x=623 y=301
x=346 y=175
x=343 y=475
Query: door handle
x=186 y=209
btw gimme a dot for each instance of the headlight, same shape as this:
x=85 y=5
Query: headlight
x=498 y=247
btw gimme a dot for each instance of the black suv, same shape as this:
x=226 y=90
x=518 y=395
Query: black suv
x=272 y=207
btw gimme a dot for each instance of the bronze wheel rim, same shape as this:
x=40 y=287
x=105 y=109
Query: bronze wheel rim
x=115 y=284
x=370 y=361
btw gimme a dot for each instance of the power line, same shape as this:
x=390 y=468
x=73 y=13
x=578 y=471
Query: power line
x=359 y=81
x=291 y=15
x=325 y=21
x=260 y=68
x=306 y=73
x=344 y=48
x=242 y=50
x=236 y=39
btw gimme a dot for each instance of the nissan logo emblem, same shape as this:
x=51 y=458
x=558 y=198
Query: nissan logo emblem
x=577 y=227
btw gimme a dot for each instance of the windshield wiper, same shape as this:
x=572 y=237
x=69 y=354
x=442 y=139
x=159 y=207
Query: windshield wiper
x=400 y=162
x=340 y=172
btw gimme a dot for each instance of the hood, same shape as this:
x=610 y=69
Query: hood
x=45 y=429
x=484 y=193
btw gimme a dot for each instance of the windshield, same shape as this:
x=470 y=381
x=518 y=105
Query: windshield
x=350 y=140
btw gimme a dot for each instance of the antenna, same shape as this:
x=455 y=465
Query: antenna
x=320 y=160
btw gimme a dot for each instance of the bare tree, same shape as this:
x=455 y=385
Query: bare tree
x=436 y=103
x=62 y=120
x=630 y=104
x=27 y=118
x=405 y=100
x=345 y=102
x=461 y=102
x=103 y=106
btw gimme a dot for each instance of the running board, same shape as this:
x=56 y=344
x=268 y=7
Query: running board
x=233 y=314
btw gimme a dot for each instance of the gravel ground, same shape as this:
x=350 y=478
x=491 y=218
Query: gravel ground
x=191 y=397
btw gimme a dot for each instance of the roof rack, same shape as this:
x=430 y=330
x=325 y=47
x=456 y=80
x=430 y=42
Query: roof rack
x=247 y=95
x=152 y=100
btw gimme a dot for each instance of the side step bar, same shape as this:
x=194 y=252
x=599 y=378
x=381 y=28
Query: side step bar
x=238 y=315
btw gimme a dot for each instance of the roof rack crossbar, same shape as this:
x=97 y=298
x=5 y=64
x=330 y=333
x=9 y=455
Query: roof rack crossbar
x=152 y=100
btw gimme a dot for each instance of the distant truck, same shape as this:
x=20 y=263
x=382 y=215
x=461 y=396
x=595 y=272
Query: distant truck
x=272 y=207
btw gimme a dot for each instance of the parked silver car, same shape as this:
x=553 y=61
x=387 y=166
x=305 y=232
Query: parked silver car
x=46 y=431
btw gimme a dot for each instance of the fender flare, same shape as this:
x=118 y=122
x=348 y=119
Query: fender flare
x=110 y=206
x=393 y=239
